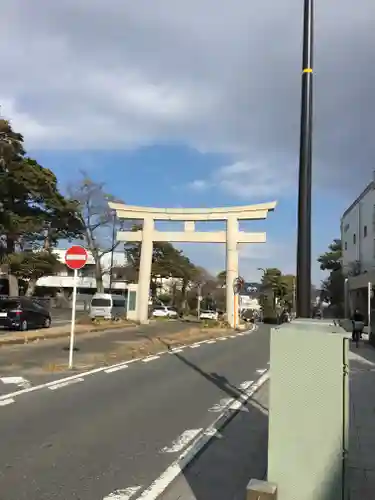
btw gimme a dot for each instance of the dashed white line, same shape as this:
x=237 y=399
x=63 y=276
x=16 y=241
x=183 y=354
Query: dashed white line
x=150 y=358
x=262 y=371
x=176 y=349
x=182 y=441
x=6 y=402
x=211 y=342
x=222 y=338
x=64 y=384
x=194 y=346
x=125 y=494
x=240 y=334
x=116 y=368
x=162 y=482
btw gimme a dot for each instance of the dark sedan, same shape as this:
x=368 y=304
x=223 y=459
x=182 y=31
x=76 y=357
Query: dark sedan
x=22 y=313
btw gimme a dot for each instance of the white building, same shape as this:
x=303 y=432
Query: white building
x=358 y=245
x=86 y=276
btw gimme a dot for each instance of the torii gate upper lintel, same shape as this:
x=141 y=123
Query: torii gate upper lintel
x=231 y=236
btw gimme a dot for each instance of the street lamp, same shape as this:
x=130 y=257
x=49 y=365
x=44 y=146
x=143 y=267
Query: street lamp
x=305 y=155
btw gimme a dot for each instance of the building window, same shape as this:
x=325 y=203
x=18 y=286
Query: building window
x=354 y=239
x=346 y=245
x=365 y=231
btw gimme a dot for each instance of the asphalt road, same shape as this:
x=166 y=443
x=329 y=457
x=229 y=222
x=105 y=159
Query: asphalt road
x=120 y=430
x=47 y=360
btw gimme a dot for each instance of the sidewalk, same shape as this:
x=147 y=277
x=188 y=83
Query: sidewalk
x=361 y=460
x=223 y=470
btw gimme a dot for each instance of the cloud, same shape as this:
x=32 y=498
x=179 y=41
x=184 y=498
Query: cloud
x=245 y=180
x=215 y=75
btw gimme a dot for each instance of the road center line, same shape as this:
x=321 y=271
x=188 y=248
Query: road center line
x=194 y=346
x=211 y=342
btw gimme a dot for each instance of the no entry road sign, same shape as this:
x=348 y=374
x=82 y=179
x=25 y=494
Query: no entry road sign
x=76 y=257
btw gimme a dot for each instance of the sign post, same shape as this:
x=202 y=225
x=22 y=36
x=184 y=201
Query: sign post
x=75 y=258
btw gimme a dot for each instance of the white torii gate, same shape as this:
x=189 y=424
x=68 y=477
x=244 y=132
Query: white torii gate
x=232 y=237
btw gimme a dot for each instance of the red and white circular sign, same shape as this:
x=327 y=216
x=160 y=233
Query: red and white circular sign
x=76 y=257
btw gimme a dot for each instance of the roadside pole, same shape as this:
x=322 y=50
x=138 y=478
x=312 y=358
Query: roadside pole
x=73 y=323
x=75 y=258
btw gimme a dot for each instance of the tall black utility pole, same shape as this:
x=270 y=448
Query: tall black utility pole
x=304 y=187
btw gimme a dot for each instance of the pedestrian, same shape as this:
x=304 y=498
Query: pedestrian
x=357 y=325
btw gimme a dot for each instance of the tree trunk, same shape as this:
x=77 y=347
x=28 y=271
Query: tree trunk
x=31 y=287
x=184 y=296
x=99 y=277
x=13 y=285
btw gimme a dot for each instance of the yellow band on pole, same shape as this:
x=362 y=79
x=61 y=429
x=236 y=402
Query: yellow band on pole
x=307 y=70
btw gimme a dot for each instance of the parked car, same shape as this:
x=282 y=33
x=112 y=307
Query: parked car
x=22 y=313
x=107 y=306
x=164 y=312
x=212 y=315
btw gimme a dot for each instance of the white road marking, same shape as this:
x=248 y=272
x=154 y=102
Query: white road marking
x=221 y=405
x=213 y=432
x=238 y=405
x=20 y=381
x=71 y=377
x=116 y=368
x=245 y=385
x=211 y=342
x=6 y=402
x=194 y=346
x=240 y=334
x=262 y=371
x=125 y=494
x=150 y=358
x=232 y=336
x=64 y=384
x=176 y=349
x=181 y=442
x=222 y=338
x=160 y=484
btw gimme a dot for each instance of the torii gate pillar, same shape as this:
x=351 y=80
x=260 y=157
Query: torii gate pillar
x=232 y=236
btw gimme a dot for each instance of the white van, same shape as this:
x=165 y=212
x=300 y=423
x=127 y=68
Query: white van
x=107 y=306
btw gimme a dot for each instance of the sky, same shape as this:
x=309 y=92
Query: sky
x=193 y=103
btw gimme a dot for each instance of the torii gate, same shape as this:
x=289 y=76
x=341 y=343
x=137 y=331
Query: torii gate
x=232 y=237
